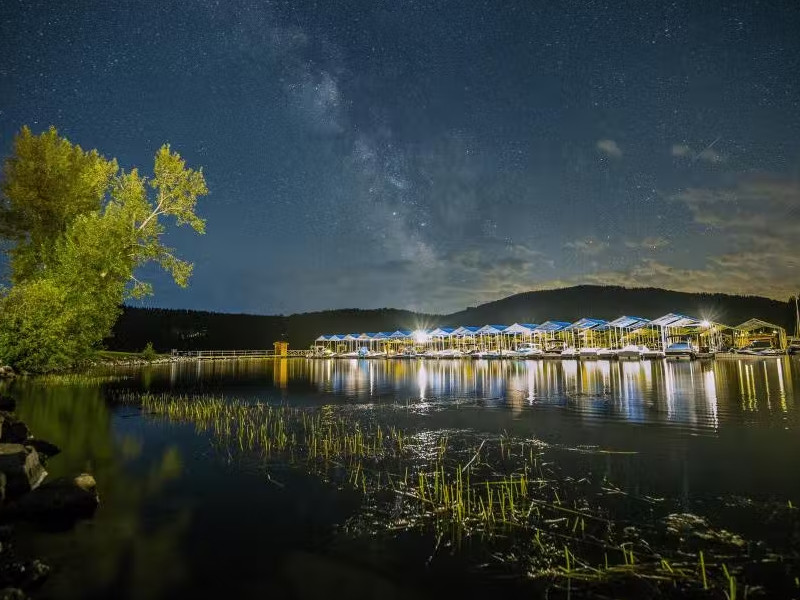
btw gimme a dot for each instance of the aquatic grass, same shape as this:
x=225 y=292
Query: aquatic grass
x=501 y=490
x=75 y=379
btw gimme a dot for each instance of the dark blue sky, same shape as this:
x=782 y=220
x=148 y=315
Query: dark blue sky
x=433 y=155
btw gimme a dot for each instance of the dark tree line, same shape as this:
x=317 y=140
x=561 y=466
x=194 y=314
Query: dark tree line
x=196 y=330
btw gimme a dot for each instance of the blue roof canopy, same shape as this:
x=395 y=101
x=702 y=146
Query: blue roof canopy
x=675 y=320
x=626 y=322
x=493 y=329
x=585 y=323
x=519 y=328
x=549 y=326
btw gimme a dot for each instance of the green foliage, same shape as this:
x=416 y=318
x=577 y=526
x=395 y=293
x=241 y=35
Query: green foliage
x=47 y=182
x=149 y=353
x=76 y=246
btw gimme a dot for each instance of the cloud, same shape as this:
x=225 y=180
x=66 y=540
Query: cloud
x=708 y=154
x=648 y=243
x=757 y=213
x=609 y=147
x=681 y=150
x=736 y=273
x=758 y=223
x=453 y=280
x=711 y=156
x=589 y=246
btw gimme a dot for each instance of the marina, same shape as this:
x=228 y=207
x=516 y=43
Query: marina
x=672 y=336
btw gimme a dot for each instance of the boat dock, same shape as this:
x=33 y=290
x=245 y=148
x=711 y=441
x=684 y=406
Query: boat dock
x=671 y=336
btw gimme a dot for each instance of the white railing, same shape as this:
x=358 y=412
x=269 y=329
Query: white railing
x=220 y=354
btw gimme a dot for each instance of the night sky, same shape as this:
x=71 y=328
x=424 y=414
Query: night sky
x=434 y=155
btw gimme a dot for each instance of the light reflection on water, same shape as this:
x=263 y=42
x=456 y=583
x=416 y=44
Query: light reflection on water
x=693 y=394
x=700 y=395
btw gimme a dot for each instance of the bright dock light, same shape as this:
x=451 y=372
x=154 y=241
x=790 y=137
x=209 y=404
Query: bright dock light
x=421 y=337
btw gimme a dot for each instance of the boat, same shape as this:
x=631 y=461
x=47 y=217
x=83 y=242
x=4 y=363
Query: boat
x=649 y=354
x=587 y=353
x=529 y=350
x=683 y=349
x=794 y=347
x=509 y=354
x=375 y=354
x=351 y=354
x=430 y=354
x=570 y=353
x=760 y=348
x=450 y=353
x=631 y=352
x=406 y=353
x=606 y=353
x=484 y=354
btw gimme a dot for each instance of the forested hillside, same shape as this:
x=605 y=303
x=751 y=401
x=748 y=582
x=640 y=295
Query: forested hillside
x=197 y=330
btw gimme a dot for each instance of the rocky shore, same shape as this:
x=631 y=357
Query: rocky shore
x=139 y=362
x=26 y=494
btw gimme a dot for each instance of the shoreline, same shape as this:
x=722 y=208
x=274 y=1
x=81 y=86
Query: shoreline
x=28 y=495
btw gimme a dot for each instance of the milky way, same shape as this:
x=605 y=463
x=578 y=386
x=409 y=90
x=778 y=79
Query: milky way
x=434 y=155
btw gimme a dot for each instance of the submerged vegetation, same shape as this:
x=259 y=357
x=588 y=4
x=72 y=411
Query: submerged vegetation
x=503 y=492
x=76 y=379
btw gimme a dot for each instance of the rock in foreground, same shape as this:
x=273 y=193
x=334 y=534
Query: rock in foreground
x=12 y=430
x=44 y=448
x=60 y=501
x=22 y=469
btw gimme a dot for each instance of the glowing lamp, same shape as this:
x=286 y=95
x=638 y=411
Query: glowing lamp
x=420 y=337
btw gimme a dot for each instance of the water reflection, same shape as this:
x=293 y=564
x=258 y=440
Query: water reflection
x=168 y=499
x=128 y=541
x=699 y=395
x=695 y=394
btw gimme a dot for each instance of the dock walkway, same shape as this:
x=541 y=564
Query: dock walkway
x=237 y=354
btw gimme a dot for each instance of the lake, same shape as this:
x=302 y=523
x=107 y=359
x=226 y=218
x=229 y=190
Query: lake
x=620 y=477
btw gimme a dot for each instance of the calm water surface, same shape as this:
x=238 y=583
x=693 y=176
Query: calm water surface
x=183 y=517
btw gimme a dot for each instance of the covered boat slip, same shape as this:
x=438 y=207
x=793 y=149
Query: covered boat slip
x=587 y=338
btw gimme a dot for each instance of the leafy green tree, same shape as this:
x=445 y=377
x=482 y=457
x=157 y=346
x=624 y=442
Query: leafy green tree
x=149 y=353
x=70 y=282
x=47 y=182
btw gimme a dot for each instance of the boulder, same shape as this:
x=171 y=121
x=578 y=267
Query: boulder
x=61 y=501
x=22 y=469
x=12 y=594
x=7 y=403
x=12 y=430
x=44 y=448
x=6 y=371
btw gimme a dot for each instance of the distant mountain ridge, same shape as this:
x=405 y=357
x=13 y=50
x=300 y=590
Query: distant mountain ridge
x=201 y=330
x=609 y=302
